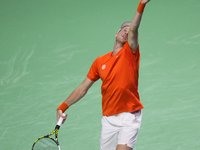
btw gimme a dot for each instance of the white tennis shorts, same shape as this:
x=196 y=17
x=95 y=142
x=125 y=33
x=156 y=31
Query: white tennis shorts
x=120 y=129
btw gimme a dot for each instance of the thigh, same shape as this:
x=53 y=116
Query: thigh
x=109 y=134
x=129 y=132
x=120 y=131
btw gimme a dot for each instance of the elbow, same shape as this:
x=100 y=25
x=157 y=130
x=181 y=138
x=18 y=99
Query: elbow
x=82 y=92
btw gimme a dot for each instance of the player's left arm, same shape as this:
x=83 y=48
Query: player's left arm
x=133 y=31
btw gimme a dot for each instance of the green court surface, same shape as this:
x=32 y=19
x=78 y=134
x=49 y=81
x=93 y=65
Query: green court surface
x=48 y=46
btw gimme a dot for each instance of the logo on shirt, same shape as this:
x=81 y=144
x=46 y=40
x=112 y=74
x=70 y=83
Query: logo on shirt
x=103 y=67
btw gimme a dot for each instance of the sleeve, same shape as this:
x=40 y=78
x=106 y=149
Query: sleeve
x=133 y=57
x=93 y=73
x=128 y=49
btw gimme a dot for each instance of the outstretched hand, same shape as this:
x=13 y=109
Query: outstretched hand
x=144 y=1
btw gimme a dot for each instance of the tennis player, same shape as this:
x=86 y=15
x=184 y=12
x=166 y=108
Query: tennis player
x=119 y=72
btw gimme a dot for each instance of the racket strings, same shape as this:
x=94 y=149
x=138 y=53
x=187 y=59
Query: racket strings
x=46 y=144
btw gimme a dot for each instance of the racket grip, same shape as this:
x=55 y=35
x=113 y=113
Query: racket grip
x=60 y=120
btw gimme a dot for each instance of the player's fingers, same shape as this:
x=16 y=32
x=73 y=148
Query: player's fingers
x=64 y=118
x=59 y=114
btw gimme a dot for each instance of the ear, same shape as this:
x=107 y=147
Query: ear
x=116 y=34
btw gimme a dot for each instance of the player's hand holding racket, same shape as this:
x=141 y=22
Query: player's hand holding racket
x=47 y=142
x=61 y=114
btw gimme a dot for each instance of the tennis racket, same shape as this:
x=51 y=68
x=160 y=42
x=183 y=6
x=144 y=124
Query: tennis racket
x=47 y=142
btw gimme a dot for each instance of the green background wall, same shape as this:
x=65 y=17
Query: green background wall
x=48 y=46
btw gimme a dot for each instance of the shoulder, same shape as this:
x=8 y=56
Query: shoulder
x=99 y=60
x=127 y=48
x=104 y=56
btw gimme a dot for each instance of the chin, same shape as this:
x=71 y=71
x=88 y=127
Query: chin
x=123 y=42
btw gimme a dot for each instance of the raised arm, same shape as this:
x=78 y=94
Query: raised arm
x=133 y=31
x=75 y=96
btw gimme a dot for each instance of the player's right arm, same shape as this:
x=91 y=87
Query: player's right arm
x=74 y=97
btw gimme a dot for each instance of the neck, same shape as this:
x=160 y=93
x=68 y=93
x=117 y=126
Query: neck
x=117 y=47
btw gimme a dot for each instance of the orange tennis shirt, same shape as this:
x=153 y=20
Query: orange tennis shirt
x=119 y=74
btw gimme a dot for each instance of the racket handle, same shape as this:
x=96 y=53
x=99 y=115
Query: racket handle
x=60 y=120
